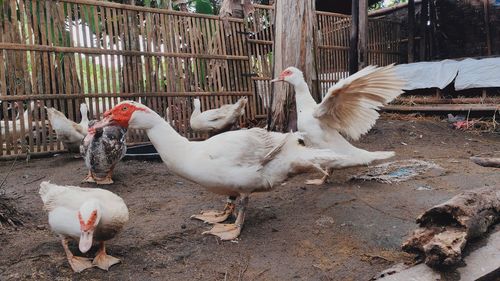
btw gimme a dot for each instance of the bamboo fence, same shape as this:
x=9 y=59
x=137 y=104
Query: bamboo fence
x=63 y=53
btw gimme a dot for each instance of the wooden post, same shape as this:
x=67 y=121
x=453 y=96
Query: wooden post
x=363 y=34
x=294 y=46
x=353 y=40
x=411 y=31
x=487 y=25
x=432 y=40
x=423 y=29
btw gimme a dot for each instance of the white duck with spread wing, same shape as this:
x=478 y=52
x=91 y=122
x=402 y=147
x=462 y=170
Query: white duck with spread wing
x=214 y=121
x=350 y=108
x=234 y=163
x=68 y=132
x=87 y=215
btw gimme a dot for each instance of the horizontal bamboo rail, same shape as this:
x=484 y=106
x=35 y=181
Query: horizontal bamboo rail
x=333 y=47
x=122 y=95
x=422 y=100
x=146 y=9
x=442 y=107
x=262 y=42
x=94 y=51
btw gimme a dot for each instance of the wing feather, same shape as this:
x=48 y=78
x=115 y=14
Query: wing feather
x=351 y=106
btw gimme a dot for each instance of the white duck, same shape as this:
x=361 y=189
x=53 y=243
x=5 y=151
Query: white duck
x=234 y=163
x=68 y=132
x=349 y=108
x=87 y=215
x=13 y=127
x=214 y=121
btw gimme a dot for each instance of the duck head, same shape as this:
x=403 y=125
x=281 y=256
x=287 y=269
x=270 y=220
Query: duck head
x=89 y=216
x=291 y=75
x=129 y=114
x=196 y=104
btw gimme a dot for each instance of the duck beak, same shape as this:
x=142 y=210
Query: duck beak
x=85 y=241
x=106 y=121
x=279 y=79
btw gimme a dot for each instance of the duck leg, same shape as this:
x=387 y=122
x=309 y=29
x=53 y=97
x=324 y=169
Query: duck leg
x=107 y=179
x=78 y=264
x=322 y=180
x=103 y=260
x=89 y=177
x=213 y=216
x=231 y=231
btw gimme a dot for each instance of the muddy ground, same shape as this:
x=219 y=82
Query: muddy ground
x=345 y=230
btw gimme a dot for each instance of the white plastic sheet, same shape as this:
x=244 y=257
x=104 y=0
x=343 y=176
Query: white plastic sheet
x=468 y=74
x=483 y=73
x=423 y=75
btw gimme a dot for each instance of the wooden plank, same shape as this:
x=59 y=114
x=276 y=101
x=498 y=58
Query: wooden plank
x=419 y=272
x=127 y=82
x=26 y=35
x=65 y=62
x=106 y=61
x=363 y=34
x=423 y=29
x=483 y=262
x=99 y=66
x=3 y=93
x=46 y=73
x=111 y=13
x=354 y=38
x=486 y=12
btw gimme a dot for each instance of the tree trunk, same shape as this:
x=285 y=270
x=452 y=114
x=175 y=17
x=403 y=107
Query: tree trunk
x=294 y=46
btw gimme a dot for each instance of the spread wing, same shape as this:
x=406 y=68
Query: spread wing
x=351 y=105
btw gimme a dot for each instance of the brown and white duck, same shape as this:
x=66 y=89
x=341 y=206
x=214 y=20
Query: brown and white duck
x=102 y=149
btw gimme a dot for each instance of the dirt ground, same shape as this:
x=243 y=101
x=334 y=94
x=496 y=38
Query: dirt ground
x=345 y=230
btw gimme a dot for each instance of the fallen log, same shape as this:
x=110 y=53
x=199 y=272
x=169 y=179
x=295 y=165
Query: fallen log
x=486 y=162
x=481 y=264
x=446 y=228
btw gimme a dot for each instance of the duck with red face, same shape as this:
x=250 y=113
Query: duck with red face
x=234 y=163
x=349 y=109
x=87 y=215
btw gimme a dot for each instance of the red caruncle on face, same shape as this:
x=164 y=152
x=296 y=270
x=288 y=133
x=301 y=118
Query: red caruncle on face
x=122 y=113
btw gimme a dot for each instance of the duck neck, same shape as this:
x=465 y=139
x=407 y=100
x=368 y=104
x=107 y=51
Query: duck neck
x=303 y=97
x=196 y=111
x=170 y=145
x=83 y=111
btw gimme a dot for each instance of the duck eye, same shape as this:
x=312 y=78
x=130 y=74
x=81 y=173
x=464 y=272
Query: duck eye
x=124 y=108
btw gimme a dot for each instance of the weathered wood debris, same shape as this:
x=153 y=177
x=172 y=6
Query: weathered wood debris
x=486 y=162
x=446 y=228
